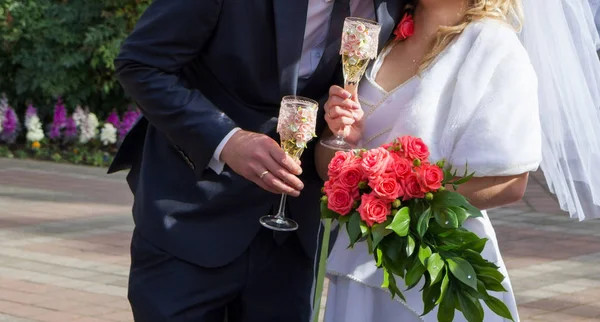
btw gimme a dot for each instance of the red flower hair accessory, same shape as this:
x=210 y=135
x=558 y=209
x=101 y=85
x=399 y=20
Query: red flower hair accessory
x=405 y=28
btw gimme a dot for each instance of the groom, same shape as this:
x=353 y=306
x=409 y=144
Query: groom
x=205 y=163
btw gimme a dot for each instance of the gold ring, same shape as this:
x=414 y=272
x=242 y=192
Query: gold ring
x=262 y=175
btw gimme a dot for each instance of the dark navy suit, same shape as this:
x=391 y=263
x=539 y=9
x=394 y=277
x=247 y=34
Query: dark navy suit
x=197 y=69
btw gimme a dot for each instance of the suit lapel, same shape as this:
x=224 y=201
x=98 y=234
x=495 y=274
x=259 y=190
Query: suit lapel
x=290 y=22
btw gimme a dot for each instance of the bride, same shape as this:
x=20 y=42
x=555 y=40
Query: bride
x=466 y=84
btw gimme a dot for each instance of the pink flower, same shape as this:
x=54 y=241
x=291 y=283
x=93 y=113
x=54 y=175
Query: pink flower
x=374 y=210
x=350 y=177
x=375 y=161
x=405 y=28
x=386 y=187
x=430 y=177
x=361 y=28
x=412 y=187
x=340 y=200
x=339 y=161
x=400 y=166
x=414 y=148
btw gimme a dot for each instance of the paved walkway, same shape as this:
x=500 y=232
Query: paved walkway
x=64 y=234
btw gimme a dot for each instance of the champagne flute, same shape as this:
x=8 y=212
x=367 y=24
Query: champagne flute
x=296 y=127
x=360 y=39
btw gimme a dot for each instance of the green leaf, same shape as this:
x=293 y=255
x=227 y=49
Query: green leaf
x=364 y=229
x=498 y=307
x=393 y=258
x=491 y=283
x=386 y=279
x=446 y=218
x=461 y=215
x=458 y=237
x=393 y=287
x=343 y=219
x=476 y=246
x=410 y=245
x=492 y=273
x=463 y=271
x=470 y=307
x=444 y=286
x=446 y=309
x=430 y=297
x=435 y=264
x=414 y=274
x=423 y=222
x=326 y=212
x=466 y=177
x=445 y=199
x=353 y=228
x=378 y=257
x=379 y=232
x=473 y=211
x=401 y=222
x=424 y=253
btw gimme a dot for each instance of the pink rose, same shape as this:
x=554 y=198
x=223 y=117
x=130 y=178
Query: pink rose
x=414 y=148
x=375 y=161
x=386 y=187
x=400 y=166
x=374 y=210
x=340 y=200
x=412 y=187
x=405 y=28
x=430 y=177
x=361 y=28
x=350 y=177
x=338 y=162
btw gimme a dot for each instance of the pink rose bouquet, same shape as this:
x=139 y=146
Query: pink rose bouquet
x=394 y=199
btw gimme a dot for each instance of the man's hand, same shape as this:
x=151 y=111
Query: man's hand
x=261 y=160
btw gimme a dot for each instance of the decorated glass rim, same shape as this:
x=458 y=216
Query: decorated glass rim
x=360 y=38
x=369 y=22
x=298 y=99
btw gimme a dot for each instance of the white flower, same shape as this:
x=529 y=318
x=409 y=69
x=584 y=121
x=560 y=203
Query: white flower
x=89 y=128
x=79 y=116
x=108 y=135
x=34 y=129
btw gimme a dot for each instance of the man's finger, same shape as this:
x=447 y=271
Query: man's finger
x=285 y=160
x=283 y=174
x=274 y=183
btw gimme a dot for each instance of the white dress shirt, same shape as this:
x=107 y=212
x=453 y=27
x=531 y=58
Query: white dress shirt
x=315 y=38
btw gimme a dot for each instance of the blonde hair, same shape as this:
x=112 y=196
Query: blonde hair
x=509 y=11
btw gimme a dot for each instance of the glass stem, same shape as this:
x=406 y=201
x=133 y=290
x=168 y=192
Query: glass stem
x=281 y=212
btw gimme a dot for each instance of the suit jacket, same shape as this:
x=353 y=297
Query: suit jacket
x=197 y=69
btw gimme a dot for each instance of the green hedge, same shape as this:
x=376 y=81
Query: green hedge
x=51 y=49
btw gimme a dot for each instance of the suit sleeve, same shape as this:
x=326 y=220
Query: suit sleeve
x=169 y=35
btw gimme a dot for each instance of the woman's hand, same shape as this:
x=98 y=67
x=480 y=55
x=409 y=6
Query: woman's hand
x=344 y=114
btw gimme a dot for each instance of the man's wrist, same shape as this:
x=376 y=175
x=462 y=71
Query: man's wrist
x=216 y=163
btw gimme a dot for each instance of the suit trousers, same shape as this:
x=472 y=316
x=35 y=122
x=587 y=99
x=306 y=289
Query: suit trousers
x=269 y=282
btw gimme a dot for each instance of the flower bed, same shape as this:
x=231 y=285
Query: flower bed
x=78 y=138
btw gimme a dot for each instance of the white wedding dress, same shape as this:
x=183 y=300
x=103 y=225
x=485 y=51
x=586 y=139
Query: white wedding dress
x=476 y=103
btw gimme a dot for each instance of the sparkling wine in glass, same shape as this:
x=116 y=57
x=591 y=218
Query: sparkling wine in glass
x=360 y=39
x=296 y=127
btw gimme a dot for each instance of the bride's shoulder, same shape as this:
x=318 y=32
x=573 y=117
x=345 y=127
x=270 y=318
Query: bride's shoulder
x=495 y=40
x=492 y=33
